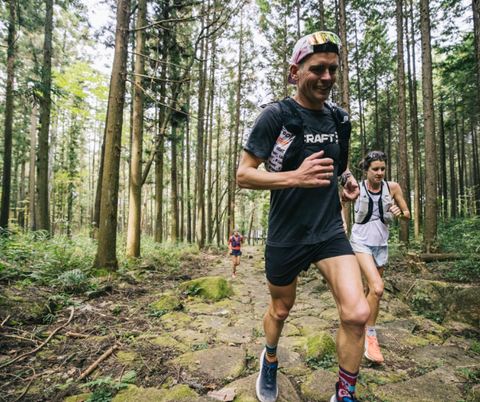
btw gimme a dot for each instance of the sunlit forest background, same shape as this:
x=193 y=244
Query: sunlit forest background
x=123 y=123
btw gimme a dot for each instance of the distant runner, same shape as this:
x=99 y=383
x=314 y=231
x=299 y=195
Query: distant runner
x=235 y=245
x=374 y=211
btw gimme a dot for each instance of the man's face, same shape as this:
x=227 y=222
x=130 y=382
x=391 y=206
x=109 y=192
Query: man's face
x=316 y=78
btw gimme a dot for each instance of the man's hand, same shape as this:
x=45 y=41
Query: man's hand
x=395 y=210
x=315 y=171
x=350 y=190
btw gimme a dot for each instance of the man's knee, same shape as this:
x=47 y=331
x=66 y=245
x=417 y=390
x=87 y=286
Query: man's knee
x=279 y=314
x=357 y=316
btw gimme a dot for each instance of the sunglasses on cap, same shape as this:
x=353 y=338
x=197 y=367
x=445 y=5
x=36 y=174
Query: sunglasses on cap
x=375 y=155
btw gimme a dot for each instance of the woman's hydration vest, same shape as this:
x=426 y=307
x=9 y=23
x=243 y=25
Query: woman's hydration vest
x=236 y=243
x=365 y=205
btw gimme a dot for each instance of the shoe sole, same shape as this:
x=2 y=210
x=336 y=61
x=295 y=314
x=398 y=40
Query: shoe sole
x=257 y=383
x=370 y=357
x=334 y=399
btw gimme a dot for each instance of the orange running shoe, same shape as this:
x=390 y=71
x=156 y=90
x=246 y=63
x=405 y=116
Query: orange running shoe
x=372 y=350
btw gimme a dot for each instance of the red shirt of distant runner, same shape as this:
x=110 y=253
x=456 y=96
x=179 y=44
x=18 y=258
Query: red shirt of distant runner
x=236 y=243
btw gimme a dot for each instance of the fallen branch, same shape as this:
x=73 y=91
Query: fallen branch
x=19 y=337
x=43 y=344
x=97 y=362
x=411 y=287
x=5 y=320
x=76 y=335
x=28 y=386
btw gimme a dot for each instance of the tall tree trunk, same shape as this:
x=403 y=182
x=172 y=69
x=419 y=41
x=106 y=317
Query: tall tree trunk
x=210 y=144
x=200 y=182
x=359 y=91
x=413 y=127
x=236 y=129
x=297 y=3
x=32 y=169
x=321 y=10
x=459 y=160
x=389 y=132
x=42 y=177
x=453 y=182
x=23 y=194
x=285 y=63
x=135 y=198
x=174 y=184
x=345 y=101
x=189 y=196
x=402 y=121
x=107 y=237
x=430 y=231
x=217 y=171
x=443 y=163
x=7 y=149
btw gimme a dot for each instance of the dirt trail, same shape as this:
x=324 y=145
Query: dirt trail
x=202 y=345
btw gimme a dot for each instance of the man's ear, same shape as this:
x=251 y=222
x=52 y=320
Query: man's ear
x=294 y=71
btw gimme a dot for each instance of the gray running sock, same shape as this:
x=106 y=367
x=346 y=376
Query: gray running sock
x=371 y=332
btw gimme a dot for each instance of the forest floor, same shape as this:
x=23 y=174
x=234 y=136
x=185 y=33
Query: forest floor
x=198 y=345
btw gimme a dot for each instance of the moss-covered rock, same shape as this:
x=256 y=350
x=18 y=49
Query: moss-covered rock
x=320 y=386
x=330 y=314
x=135 y=394
x=212 y=288
x=166 y=342
x=218 y=363
x=26 y=304
x=466 y=307
x=310 y=326
x=167 y=303
x=175 y=319
x=78 y=398
x=320 y=345
x=126 y=357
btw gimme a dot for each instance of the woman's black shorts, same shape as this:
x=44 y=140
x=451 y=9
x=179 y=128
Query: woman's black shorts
x=283 y=264
x=237 y=253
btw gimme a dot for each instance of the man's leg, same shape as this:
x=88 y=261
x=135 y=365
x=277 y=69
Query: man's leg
x=238 y=259
x=344 y=278
x=234 y=262
x=282 y=299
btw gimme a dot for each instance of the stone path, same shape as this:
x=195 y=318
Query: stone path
x=422 y=362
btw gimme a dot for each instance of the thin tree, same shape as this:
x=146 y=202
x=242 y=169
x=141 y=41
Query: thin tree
x=7 y=150
x=42 y=176
x=107 y=237
x=402 y=120
x=135 y=199
x=430 y=231
x=31 y=184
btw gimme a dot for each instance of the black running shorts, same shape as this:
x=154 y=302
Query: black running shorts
x=283 y=264
x=236 y=253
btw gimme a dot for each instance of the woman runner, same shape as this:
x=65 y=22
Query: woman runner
x=373 y=213
x=235 y=245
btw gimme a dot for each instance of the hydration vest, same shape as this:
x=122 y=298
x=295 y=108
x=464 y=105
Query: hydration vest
x=236 y=243
x=288 y=151
x=365 y=205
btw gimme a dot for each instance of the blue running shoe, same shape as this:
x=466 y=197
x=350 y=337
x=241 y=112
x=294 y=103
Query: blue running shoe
x=267 y=390
x=344 y=399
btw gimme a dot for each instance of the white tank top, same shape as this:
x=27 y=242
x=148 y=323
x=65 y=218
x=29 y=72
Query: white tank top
x=374 y=232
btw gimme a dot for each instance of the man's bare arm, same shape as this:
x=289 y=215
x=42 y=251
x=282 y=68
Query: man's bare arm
x=312 y=173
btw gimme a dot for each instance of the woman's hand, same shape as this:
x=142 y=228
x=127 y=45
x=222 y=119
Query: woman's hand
x=395 y=210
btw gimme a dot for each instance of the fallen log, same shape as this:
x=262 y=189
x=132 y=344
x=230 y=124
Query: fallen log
x=438 y=257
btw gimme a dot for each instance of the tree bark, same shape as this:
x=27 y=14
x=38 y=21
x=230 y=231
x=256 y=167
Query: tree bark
x=174 y=185
x=42 y=177
x=8 y=137
x=453 y=182
x=107 y=237
x=321 y=10
x=443 y=163
x=135 y=198
x=402 y=120
x=236 y=130
x=430 y=231
x=31 y=184
x=200 y=182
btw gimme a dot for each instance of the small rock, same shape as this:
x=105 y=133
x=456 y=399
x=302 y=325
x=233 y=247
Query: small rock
x=321 y=345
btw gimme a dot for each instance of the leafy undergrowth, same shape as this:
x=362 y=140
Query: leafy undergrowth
x=111 y=310
x=457 y=236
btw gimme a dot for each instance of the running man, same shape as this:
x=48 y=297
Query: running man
x=235 y=246
x=369 y=239
x=303 y=142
